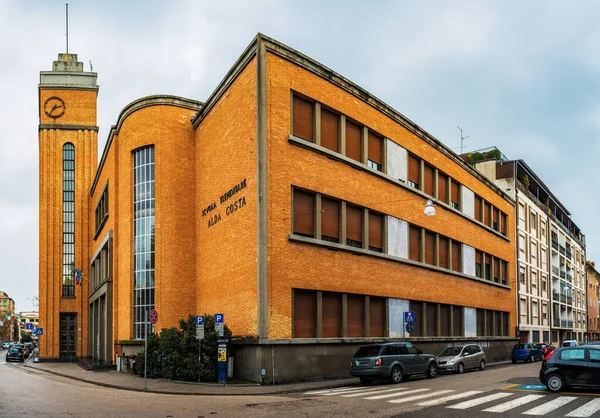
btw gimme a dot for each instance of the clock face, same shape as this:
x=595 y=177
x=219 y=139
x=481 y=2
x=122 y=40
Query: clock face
x=54 y=107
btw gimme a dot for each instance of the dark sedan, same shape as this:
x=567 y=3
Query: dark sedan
x=15 y=354
x=572 y=367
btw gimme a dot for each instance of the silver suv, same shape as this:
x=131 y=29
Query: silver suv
x=391 y=361
x=461 y=357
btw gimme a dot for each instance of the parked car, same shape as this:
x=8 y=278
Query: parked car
x=459 y=358
x=15 y=354
x=5 y=345
x=591 y=343
x=546 y=348
x=569 y=343
x=528 y=352
x=391 y=361
x=572 y=367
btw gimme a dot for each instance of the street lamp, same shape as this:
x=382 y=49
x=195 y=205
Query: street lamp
x=429 y=209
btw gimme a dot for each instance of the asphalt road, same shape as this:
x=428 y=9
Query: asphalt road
x=25 y=392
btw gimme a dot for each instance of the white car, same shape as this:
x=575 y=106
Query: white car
x=569 y=343
x=5 y=345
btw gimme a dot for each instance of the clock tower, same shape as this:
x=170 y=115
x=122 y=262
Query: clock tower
x=68 y=158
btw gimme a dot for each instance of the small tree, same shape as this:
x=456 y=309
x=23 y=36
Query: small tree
x=26 y=338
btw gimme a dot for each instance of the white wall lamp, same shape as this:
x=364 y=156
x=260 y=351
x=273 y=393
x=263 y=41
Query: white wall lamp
x=429 y=209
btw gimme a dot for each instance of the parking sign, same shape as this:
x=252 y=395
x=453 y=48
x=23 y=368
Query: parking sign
x=199 y=321
x=219 y=318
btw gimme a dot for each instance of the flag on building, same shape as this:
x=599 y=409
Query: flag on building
x=77 y=274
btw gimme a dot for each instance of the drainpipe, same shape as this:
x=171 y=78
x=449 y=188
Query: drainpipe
x=516 y=238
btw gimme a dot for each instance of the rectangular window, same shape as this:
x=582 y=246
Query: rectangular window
x=353 y=141
x=504 y=272
x=355 y=316
x=443 y=188
x=375 y=151
x=428 y=179
x=330 y=220
x=489 y=322
x=304 y=213
x=504 y=227
x=478 y=213
x=414 y=164
x=330 y=130
x=495 y=219
x=375 y=232
x=480 y=323
x=430 y=248
x=532 y=221
x=488 y=267
x=377 y=317
x=479 y=264
x=522 y=278
x=486 y=215
x=303 y=119
x=443 y=252
x=417 y=308
x=305 y=313
x=457 y=317
x=456 y=256
x=415 y=243
x=454 y=195
x=354 y=222
x=496 y=270
x=332 y=314
x=431 y=310
x=445 y=321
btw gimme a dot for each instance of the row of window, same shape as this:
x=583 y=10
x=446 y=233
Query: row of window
x=437 y=320
x=490 y=215
x=491 y=268
x=101 y=268
x=429 y=180
x=434 y=249
x=68 y=281
x=101 y=211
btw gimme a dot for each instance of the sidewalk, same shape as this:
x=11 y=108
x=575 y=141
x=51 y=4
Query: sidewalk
x=126 y=381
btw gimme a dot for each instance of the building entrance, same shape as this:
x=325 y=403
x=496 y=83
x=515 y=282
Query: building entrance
x=68 y=336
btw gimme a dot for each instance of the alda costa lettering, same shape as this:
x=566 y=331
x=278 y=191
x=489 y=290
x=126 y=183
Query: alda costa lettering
x=230 y=208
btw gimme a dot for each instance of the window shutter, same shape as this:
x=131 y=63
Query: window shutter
x=455 y=188
x=496 y=269
x=443 y=252
x=377 y=317
x=330 y=219
x=330 y=130
x=415 y=243
x=429 y=247
x=486 y=214
x=375 y=231
x=355 y=316
x=304 y=213
x=443 y=188
x=375 y=148
x=495 y=214
x=303 y=119
x=305 y=313
x=332 y=314
x=445 y=321
x=504 y=221
x=353 y=143
x=457 y=316
x=478 y=255
x=428 y=179
x=478 y=208
x=413 y=169
x=354 y=219
x=431 y=310
x=505 y=273
x=456 y=257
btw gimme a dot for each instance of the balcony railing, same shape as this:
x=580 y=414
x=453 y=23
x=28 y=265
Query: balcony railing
x=569 y=277
x=562 y=323
x=569 y=300
x=561 y=249
x=563 y=274
x=556 y=322
x=555 y=270
x=555 y=244
x=569 y=254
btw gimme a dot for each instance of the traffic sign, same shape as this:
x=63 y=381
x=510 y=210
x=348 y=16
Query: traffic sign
x=29 y=326
x=199 y=321
x=219 y=318
x=200 y=333
x=409 y=316
x=38 y=331
x=153 y=316
x=410 y=326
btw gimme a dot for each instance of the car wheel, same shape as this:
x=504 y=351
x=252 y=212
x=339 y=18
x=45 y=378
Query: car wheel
x=514 y=361
x=555 y=383
x=460 y=369
x=397 y=374
x=366 y=381
x=482 y=365
x=532 y=359
x=431 y=371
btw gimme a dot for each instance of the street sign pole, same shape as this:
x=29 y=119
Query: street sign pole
x=146 y=350
x=200 y=337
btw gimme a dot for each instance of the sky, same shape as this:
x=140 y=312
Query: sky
x=520 y=75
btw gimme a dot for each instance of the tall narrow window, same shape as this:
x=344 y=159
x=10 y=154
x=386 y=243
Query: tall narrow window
x=68 y=281
x=354 y=222
x=375 y=232
x=305 y=313
x=478 y=212
x=456 y=256
x=504 y=272
x=479 y=264
x=486 y=214
x=304 y=213
x=375 y=151
x=355 y=316
x=443 y=252
x=143 y=234
x=443 y=188
x=430 y=248
x=413 y=171
x=330 y=220
x=496 y=219
x=330 y=130
x=428 y=179
x=488 y=267
x=332 y=314
x=496 y=270
x=353 y=141
x=454 y=195
x=503 y=227
x=415 y=243
x=303 y=119
x=377 y=317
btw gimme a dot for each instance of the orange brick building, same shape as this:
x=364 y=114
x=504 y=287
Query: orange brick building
x=291 y=201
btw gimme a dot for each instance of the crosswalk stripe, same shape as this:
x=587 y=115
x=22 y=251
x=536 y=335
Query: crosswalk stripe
x=586 y=410
x=355 y=394
x=396 y=394
x=550 y=406
x=358 y=389
x=479 y=401
x=342 y=389
x=450 y=398
x=417 y=397
x=507 y=406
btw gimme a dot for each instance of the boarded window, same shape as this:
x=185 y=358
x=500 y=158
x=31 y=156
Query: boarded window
x=428 y=179
x=330 y=220
x=486 y=215
x=478 y=214
x=332 y=314
x=415 y=243
x=454 y=195
x=413 y=171
x=353 y=142
x=431 y=319
x=457 y=319
x=443 y=252
x=377 y=317
x=305 y=307
x=354 y=221
x=375 y=232
x=429 y=247
x=445 y=321
x=330 y=130
x=375 y=151
x=456 y=256
x=417 y=308
x=303 y=119
x=304 y=213
x=443 y=188
x=355 y=316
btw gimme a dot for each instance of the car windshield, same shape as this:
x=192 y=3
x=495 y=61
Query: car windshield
x=542 y=345
x=14 y=350
x=451 y=351
x=368 y=351
x=518 y=346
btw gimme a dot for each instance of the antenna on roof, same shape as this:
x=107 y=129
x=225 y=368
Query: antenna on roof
x=67 y=25
x=462 y=138
x=91 y=67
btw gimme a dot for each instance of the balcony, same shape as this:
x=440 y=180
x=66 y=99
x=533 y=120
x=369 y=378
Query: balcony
x=559 y=297
x=562 y=323
x=569 y=277
x=555 y=270
x=561 y=249
x=563 y=274
x=569 y=254
x=569 y=300
x=555 y=244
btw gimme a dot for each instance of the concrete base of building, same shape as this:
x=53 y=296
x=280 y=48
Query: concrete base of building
x=295 y=360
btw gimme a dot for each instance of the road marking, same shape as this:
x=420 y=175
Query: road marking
x=479 y=401
x=396 y=394
x=354 y=394
x=417 y=397
x=586 y=410
x=338 y=392
x=450 y=398
x=550 y=406
x=342 y=389
x=507 y=406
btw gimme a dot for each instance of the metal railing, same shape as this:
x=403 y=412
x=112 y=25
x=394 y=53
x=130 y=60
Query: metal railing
x=563 y=274
x=561 y=249
x=555 y=244
x=555 y=270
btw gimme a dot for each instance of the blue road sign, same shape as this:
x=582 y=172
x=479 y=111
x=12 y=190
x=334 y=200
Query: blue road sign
x=29 y=326
x=38 y=331
x=199 y=321
x=409 y=316
x=219 y=318
x=410 y=326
